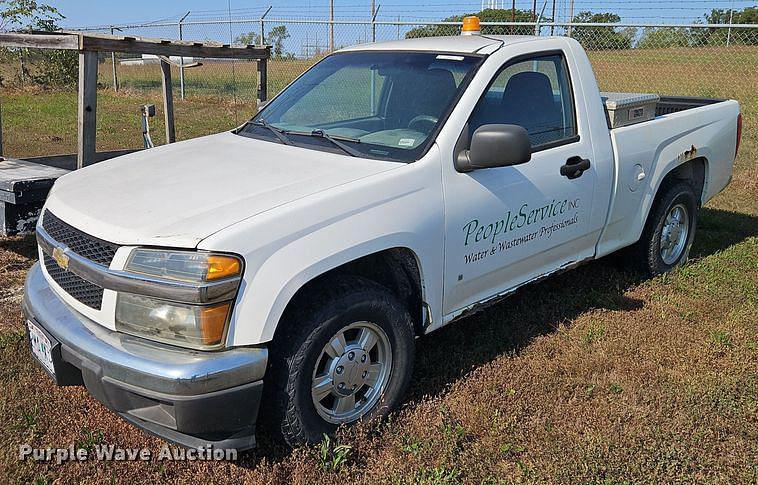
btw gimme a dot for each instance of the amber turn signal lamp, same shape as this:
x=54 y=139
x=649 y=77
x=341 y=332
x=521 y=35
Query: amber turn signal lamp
x=213 y=323
x=220 y=267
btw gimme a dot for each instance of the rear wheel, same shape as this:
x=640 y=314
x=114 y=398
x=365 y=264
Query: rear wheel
x=669 y=231
x=345 y=353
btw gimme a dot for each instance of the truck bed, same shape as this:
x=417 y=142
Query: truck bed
x=684 y=129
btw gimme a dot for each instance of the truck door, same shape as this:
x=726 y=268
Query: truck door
x=508 y=225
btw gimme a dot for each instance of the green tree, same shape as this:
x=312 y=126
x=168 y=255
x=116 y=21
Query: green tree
x=56 y=68
x=658 y=38
x=275 y=38
x=28 y=15
x=488 y=15
x=251 y=38
x=719 y=36
x=601 y=38
x=51 y=68
x=748 y=15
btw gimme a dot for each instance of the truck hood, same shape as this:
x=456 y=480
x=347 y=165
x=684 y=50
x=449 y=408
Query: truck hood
x=179 y=194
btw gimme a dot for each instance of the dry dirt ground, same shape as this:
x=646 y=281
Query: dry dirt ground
x=596 y=375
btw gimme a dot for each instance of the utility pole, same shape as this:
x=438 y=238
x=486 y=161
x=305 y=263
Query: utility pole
x=331 y=25
x=534 y=11
x=571 y=16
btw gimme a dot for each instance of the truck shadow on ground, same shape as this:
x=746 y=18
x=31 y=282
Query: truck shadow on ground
x=539 y=309
x=24 y=246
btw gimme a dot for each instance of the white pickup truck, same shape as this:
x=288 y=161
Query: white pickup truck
x=389 y=190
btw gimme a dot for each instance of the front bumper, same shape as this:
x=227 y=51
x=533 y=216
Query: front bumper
x=185 y=396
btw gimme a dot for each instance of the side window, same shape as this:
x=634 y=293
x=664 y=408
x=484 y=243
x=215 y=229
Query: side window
x=533 y=93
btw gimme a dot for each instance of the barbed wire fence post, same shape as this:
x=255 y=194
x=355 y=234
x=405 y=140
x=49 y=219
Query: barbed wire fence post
x=374 y=13
x=181 y=59
x=331 y=25
x=113 y=67
x=262 y=38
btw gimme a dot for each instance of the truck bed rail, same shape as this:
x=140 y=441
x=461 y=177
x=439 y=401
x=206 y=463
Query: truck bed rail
x=675 y=104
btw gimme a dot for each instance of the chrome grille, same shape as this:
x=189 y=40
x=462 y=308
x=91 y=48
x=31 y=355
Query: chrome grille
x=82 y=290
x=92 y=248
x=89 y=247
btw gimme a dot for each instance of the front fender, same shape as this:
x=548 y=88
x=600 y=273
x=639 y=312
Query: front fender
x=287 y=247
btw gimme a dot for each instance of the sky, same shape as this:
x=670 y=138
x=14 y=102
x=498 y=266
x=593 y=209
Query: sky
x=304 y=40
x=81 y=13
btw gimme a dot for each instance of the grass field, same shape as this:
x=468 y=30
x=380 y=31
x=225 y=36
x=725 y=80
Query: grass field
x=596 y=376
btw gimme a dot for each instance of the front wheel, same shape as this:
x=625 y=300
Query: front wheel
x=670 y=229
x=345 y=353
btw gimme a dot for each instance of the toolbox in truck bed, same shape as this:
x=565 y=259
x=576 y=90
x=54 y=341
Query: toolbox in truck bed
x=625 y=109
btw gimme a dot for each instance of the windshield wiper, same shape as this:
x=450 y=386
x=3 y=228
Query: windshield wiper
x=276 y=131
x=282 y=135
x=335 y=141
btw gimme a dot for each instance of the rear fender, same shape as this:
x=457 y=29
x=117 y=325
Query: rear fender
x=706 y=133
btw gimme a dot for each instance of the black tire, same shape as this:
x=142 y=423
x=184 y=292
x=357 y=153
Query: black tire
x=308 y=325
x=647 y=251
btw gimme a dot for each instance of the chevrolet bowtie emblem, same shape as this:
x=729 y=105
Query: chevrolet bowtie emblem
x=61 y=258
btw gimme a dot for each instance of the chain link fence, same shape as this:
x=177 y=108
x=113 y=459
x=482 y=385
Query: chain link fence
x=694 y=60
x=718 y=61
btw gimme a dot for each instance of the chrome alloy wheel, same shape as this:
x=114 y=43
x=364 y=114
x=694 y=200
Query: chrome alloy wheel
x=351 y=372
x=674 y=234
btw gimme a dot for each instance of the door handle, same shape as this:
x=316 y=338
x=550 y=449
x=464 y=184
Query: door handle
x=575 y=167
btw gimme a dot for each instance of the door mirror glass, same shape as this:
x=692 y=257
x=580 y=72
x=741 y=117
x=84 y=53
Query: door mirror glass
x=495 y=146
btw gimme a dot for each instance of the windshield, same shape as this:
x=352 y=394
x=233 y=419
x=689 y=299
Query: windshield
x=385 y=105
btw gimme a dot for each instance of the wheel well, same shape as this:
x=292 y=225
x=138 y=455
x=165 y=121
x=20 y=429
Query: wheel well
x=692 y=171
x=396 y=269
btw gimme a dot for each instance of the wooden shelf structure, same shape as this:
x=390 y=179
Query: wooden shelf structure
x=88 y=45
x=24 y=184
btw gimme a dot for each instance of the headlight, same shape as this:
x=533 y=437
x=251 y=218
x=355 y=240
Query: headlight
x=172 y=318
x=197 y=327
x=190 y=266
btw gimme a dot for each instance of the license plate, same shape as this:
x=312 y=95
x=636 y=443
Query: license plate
x=42 y=348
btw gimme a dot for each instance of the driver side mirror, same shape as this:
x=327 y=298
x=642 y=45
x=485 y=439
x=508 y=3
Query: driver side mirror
x=495 y=146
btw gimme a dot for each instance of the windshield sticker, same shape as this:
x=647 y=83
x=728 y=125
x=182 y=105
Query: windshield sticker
x=445 y=57
x=406 y=142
